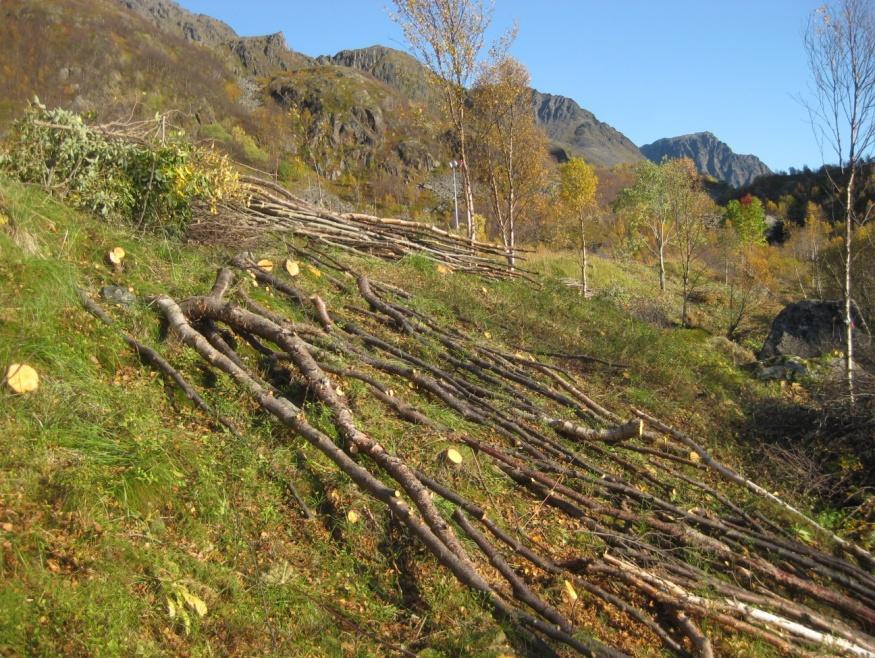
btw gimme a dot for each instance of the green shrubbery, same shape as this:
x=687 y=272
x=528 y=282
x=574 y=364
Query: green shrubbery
x=155 y=186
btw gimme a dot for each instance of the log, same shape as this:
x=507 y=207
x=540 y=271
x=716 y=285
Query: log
x=631 y=430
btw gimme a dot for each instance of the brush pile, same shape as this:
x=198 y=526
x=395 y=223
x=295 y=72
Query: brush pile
x=269 y=208
x=145 y=172
x=590 y=510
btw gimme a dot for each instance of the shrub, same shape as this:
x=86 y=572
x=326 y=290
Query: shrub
x=152 y=185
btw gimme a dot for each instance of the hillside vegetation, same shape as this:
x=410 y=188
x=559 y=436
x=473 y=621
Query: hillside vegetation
x=260 y=522
x=265 y=394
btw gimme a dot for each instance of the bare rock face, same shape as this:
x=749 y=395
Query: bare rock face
x=259 y=56
x=394 y=67
x=711 y=156
x=170 y=17
x=806 y=329
x=576 y=131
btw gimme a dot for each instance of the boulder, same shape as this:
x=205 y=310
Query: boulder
x=781 y=368
x=118 y=295
x=806 y=329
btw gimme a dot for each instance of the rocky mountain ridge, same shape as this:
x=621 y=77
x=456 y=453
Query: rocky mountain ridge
x=576 y=131
x=257 y=55
x=712 y=157
x=571 y=129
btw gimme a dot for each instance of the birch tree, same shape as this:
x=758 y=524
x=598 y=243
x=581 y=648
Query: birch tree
x=448 y=36
x=646 y=205
x=510 y=151
x=840 y=43
x=577 y=193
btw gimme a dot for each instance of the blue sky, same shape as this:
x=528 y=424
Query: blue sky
x=650 y=68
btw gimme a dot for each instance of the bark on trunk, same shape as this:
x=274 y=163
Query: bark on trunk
x=662 y=265
x=849 y=322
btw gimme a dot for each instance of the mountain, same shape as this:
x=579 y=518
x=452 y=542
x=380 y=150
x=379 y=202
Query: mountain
x=576 y=131
x=259 y=56
x=394 y=67
x=112 y=59
x=712 y=157
x=571 y=129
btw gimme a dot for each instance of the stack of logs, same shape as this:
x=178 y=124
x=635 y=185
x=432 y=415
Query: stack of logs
x=271 y=209
x=676 y=573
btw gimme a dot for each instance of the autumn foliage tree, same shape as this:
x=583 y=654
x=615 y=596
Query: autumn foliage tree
x=510 y=151
x=448 y=36
x=693 y=213
x=807 y=245
x=577 y=196
x=747 y=217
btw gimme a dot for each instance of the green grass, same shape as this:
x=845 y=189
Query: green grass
x=116 y=495
x=115 y=492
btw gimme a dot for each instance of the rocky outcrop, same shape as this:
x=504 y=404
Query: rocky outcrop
x=170 y=17
x=356 y=120
x=711 y=156
x=394 y=67
x=263 y=56
x=576 y=131
x=258 y=56
x=806 y=329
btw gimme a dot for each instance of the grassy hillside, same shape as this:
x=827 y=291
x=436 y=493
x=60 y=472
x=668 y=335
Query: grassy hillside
x=126 y=513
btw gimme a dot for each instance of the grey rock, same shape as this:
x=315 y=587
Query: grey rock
x=415 y=155
x=711 y=156
x=118 y=295
x=170 y=17
x=781 y=368
x=258 y=56
x=394 y=67
x=261 y=56
x=806 y=329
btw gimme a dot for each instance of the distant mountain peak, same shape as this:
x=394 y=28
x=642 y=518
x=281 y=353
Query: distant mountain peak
x=711 y=156
x=258 y=55
x=572 y=129
x=576 y=131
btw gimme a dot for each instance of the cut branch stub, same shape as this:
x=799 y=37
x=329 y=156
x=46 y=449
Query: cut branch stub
x=292 y=267
x=116 y=255
x=22 y=378
x=450 y=457
x=265 y=264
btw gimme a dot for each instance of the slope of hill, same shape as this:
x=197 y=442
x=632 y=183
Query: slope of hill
x=98 y=56
x=136 y=524
x=576 y=131
x=120 y=58
x=712 y=157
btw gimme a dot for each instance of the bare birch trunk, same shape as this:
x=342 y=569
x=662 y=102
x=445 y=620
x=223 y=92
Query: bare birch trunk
x=662 y=264
x=849 y=322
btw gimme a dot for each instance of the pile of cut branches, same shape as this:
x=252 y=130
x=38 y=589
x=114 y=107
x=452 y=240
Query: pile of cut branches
x=660 y=535
x=269 y=208
x=144 y=171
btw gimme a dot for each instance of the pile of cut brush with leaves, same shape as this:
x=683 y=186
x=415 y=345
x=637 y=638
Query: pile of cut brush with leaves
x=670 y=544
x=147 y=174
